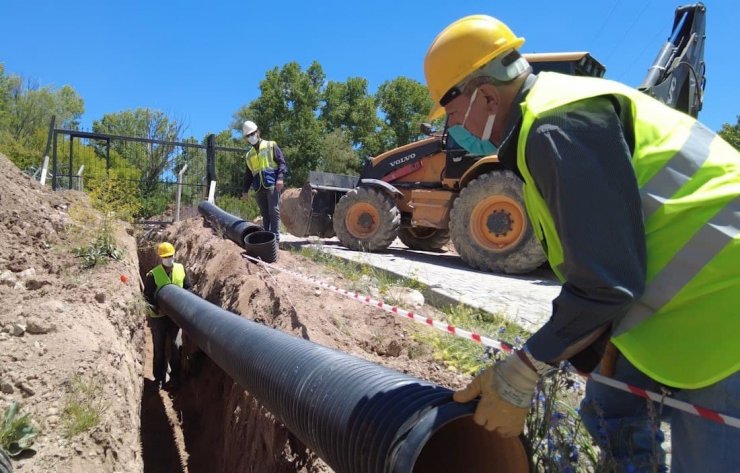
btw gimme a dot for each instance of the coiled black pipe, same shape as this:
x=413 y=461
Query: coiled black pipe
x=235 y=228
x=356 y=415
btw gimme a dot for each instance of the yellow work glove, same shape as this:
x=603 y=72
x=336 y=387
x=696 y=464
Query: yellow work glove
x=505 y=391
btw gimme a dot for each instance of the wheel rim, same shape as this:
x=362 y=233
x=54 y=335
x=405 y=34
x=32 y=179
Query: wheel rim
x=362 y=220
x=497 y=223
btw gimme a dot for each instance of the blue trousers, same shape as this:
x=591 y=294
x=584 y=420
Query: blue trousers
x=627 y=427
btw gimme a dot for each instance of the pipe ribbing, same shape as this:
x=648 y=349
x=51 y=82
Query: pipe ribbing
x=356 y=415
x=235 y=228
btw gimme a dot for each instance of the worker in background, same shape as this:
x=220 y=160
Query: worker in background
x=637 y=208
x=266 y=169
x=165 y=332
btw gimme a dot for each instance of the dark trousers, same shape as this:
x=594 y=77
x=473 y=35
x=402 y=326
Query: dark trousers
x=268 y=200
x=165 y=334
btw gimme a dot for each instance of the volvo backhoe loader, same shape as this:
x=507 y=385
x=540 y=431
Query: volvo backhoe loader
x=432 y=190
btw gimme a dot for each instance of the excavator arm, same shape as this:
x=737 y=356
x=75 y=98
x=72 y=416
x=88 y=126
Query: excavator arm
x=676 y=77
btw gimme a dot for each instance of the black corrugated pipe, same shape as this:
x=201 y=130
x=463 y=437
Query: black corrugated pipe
x=357 y=416
x=235 y=228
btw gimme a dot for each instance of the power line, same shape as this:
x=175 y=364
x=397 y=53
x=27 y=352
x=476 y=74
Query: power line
x=629 y=30
x=603 y=25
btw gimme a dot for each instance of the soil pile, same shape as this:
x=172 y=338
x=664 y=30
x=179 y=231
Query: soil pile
x=70 y=338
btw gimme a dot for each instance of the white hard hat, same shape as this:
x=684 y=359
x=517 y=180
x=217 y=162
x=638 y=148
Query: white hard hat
x=249 y=127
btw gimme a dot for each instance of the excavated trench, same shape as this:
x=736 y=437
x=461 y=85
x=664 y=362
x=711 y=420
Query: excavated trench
x=210 y=423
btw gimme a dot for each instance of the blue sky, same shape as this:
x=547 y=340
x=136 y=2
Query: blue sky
x=201 y=61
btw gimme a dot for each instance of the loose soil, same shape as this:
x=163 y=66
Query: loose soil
x=62 y=326
x=90 y=325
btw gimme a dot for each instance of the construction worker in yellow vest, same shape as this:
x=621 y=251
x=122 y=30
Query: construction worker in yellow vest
x=164 y=331
x=265 y=171
x=637 y=208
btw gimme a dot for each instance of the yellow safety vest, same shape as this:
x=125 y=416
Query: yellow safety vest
x=683 y=331
x=261 y=163
x=161 y=279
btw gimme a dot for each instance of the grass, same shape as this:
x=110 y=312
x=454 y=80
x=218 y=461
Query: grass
x=559 y=441
x=362 y=276
x=462 y=355
x=83 y=406
x=17 y=433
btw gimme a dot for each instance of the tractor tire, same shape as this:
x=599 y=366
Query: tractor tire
x=424 y=238
x=489 y=226
x=366 y=219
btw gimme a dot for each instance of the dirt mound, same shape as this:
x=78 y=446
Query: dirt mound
x=225 y=428
x=70 y=339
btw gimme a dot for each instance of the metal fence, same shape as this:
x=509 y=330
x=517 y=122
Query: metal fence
x=164 y=176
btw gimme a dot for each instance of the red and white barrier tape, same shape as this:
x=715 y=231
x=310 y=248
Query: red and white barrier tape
x=506 y=347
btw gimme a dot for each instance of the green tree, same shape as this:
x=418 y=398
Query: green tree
x=230 y=165
x=347 y=106
x=404 y=104
x=286 y=112
x=30 y=109
x=25 y=113
x=339 y=156
x=151 y=159
x=731 y=133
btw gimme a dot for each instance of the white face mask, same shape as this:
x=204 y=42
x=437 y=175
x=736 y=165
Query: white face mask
x=253 y=139
x=168 y=261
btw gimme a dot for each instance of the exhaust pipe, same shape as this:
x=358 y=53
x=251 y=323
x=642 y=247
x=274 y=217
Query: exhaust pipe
x=234 y=228
x=357 y=416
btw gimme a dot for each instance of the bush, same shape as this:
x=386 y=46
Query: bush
x=17 y=433
x=98 y=253
x=248 y=210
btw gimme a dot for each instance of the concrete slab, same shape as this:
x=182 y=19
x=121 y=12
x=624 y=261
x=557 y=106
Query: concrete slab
x=525 y=300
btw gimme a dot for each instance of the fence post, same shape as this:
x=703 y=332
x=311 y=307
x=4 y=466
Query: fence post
x=107 y=156
x=71 y=148
x=210 y=160
x=44 y=169
x=54 y=163
x=79 y=177
x=45 y=165
x=212 y=192
x=179 y=192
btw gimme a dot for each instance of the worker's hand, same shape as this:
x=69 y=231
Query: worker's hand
x=245 y=195
x=279 y=185
x=505 y=391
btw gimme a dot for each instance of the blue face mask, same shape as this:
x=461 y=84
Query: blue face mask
x=470 y=142
x=479 y=146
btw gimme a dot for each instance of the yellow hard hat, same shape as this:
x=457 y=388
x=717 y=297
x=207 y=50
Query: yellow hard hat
x=165 y=250
x=464 y=46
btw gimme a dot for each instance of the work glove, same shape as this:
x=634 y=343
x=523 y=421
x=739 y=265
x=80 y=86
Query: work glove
x=505 y=391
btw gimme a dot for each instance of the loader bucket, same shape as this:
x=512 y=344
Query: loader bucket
x=295 y=210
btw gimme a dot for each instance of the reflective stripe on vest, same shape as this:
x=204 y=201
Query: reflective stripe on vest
x=161 y=278
x=262 y=160
x=683 y=330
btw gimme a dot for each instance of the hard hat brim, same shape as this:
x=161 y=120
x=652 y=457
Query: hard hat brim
x=437 y=111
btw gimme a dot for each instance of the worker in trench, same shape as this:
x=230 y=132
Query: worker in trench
x=637 y=208
x=166 y=335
